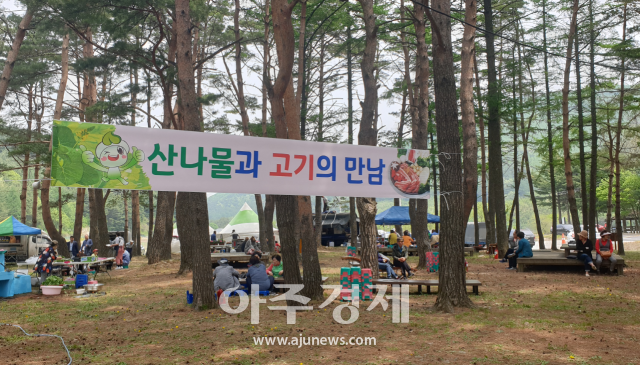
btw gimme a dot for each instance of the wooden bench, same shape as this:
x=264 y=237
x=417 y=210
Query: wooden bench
x=557 y=258
x=428 y=283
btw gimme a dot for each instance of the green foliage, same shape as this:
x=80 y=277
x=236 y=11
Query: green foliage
x=53 y=281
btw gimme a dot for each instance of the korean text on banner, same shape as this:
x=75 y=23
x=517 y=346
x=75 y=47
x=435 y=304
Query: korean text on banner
x=106 y=156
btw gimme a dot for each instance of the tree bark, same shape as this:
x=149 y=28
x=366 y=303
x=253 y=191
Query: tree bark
x=150 y=232
x=368 y=135
x=77 y=225
x=619 y=228
x=240 y=88
x=593 y=176
x=126 y=216
x=318 y=221
x=566 y=144
x=467 y=108
x=496 y=186
x=159 y=245
x=34 y=199
x=286 y=115
x=288 y=223
x=452 y=291
x=63 y=248
x=260 y=211
x=12 y=56
x=353 y=222
x=583 y=164
x=191 y=208
x=489 y=239
x=552 y=178
x=135 y=222
x=269 y=207
x=525 y=152
x=420 y=131
x=27 y=156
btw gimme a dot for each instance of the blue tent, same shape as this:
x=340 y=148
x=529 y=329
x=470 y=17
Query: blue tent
x=12 y=227
x=400 y=215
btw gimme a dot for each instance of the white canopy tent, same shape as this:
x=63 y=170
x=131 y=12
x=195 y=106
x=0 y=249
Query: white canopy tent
x=245 y=223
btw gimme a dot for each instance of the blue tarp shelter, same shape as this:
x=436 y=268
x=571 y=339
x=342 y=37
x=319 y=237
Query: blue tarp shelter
x=400 y=215
x=12 y=227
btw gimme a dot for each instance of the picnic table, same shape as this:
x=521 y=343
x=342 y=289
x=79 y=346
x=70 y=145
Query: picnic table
x=428 y=283
x=238 y=257
x=100 y=265
x=413 y=250
x=279 y=280
x=555 y=258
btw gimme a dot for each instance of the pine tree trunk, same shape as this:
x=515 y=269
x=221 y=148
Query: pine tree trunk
x=191 y=208
x=288 y=224
x=368 y=135
x=27 y=156
x=150 y=232
x=435 y=182
x=262 y=235
x=135 y=222
x=583 y=163
x=269 y=207
x=286 y=115
x=77 y=224
x=452 y=291
x=100 y=232
x=420 y=131
x=593 y=216
x=496 y=186
x=318 y=221
x=353 y=222
x=63 y=248
x=159 y=245
x=126 y=216
x=12 y=55
x=467 y=108
x=566 y=143
x=619 y=228
x=552 y=178
x=489 y=239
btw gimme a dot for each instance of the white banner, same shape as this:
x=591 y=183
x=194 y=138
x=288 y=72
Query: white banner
x=123 y=157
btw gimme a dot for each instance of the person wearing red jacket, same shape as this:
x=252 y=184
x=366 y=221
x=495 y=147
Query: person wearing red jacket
x=604 y=251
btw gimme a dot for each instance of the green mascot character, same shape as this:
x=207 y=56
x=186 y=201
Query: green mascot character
x=112 y=156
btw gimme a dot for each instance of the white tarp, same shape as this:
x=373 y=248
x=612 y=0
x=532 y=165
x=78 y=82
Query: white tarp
x=245 y=223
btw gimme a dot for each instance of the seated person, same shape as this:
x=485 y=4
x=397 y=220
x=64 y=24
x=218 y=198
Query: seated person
x=524 y=250
x=275 y=269
x=225 y=277
x=604 y=251
x=384 y=264
x=584 y=247
x=251 y=246
x=258 y=275
x=407 y=240
x=513 y=245
x=400 y=253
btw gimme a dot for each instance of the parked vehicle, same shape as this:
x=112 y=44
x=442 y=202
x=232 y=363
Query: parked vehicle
x=470 y=234
x=562 y=228
x=528 y=234
x=19 y=248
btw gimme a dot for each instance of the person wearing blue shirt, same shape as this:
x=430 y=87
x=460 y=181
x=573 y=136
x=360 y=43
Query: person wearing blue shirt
x=524 y=250
x=73 y=247
x=87 y=245
x=213 y=236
